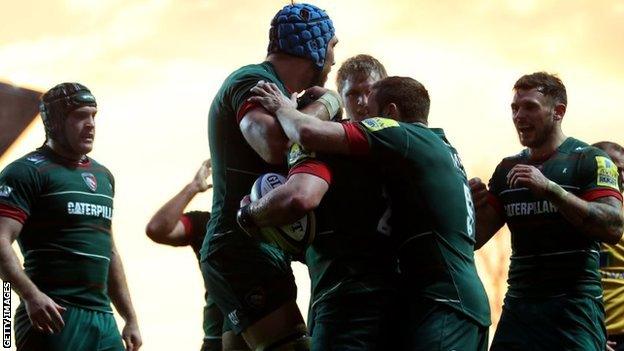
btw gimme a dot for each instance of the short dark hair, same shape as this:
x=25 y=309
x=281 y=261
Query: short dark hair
x=360 y=64
x=606 y=145
x=548 y=84
x=410 y=96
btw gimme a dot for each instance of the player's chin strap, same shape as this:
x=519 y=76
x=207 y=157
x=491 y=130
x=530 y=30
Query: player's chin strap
x=296 y=341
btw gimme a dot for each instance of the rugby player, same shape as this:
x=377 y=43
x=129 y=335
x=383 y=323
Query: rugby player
x=354 y=80
x=351 y=264
x=431 y=218
x=58 y=203
x=612 y=264
x=252 y=282
x=560 y=198
x=170 y=226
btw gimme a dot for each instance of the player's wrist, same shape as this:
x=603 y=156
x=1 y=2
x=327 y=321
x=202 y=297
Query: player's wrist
x=555 y=191
x=245 y=220
x=331 y=101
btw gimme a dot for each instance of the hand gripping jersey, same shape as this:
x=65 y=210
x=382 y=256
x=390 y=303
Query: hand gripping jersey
x=432 y=215
x=550 y=256
x=235 y=165
x=66 y=211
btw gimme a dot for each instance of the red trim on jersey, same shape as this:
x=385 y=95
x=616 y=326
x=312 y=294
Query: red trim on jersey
x=496 y=204
x=314 y=167
x=595 y=194
x=188 y=227
x=246 y=107
x=356 y=138
x=13 y=212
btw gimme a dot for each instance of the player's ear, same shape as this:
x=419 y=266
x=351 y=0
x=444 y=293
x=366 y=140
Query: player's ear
x=392 y=111
x=560 y=110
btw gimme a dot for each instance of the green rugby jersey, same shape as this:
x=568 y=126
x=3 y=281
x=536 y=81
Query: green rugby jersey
x=349 y=254
x=235 y=165
x=66 y=211
x=549 y=255
x=432 y=218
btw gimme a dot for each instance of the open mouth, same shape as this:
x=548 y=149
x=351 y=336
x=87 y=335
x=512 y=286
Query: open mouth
x=523 y=130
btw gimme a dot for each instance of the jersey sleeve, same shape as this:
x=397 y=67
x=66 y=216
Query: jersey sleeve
x=495 y=186
x=240 y=92
x=303 y=161
x=195 y=225
x=598 y=175
x=20 y=186
x=377 y=136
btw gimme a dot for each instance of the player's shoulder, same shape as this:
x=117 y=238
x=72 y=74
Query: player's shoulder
x=297 y=154
x=257 y=71
x=510 y=161
x=376 y=124
x=585 y=150
x=32 y=162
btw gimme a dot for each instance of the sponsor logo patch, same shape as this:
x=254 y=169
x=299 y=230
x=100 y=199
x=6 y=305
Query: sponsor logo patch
x=90 y=180
x=298 y=154
x=376 y=124
x=5 y=190
x=606 y=173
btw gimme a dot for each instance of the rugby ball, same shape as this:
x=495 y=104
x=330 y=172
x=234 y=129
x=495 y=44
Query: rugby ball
x=293 y=238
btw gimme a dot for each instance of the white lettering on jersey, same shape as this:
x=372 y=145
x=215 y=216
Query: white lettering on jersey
x=87 y=209
x=529 y=208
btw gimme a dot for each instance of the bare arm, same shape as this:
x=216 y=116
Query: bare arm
x=299 y=127
x=286 y=204
x=120 y=296
x=488 y=222
x=165 y=226
x=265 y=134
x=601 y=219
x=43 y=312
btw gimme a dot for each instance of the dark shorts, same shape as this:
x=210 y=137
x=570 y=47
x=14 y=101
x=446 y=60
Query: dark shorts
x=558 y=323
x=247 y=279
x=355 y=321
x=213 y=326
x=434 y=326
x=84 y=330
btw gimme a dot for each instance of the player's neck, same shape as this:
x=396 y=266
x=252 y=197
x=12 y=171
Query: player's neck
x=548 y=148
x=296 y=72
x=63 y=152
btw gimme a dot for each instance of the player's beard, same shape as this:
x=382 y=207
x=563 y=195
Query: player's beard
x=319 y=78
x=547 y=133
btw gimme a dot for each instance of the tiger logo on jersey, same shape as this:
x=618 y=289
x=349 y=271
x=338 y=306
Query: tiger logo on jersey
x=5 y=190
x=607 y=173
x=90 y=180
x=377 y=123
